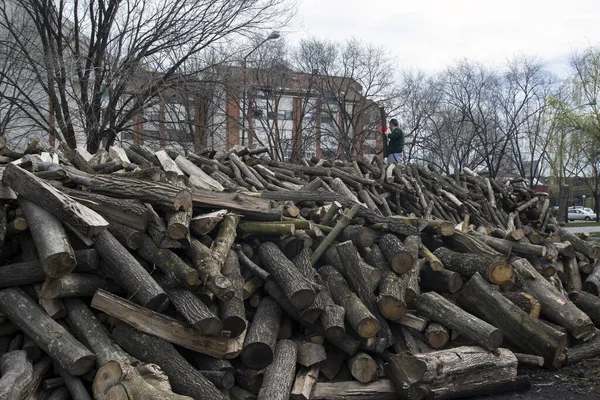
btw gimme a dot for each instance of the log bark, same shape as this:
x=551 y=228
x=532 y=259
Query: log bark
x=232 y=311
x=443 y=281
x=74 y=385
x=362 y=367
x=358 y=316
x=592 y=282
x=279 y=376
x=434 y=307
x=80 y=218
x=261 y=338
x=555 y=306
x=390 y=301
x=195 y=312
x=378 y=390
x=168 y=262
x=591 y=250
x=437 y=335
x=306 y=378
x=162 y=326
x=210 y=270
x=93 y=334
x=587 y=303
x=359 y=235
x=76 y=285
x=55 y=251
x=197 y=176
x=17 y=375
x=583 y=351
x=524 y=332
x=126 y=270
x=342 y=223
x=520 y=383
x=493 y=269
x=399 y=259
x=50 y=336
x=297 y=288
x=184 y=378
x=525 y=302
x=127 y=236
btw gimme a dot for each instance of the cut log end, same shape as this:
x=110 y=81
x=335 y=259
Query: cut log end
x=183 y=200
x=234 y=324
x=302 y=298
x=501 y=273
x=60 y=264
x=257 y=355
x=368 y=328
x=402 y=262
x=177 y=231
x=391 y=307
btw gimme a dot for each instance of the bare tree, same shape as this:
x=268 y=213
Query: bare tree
x=101 y=63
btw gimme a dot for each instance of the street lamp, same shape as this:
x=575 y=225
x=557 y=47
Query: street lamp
x=583 y=199
x=273 y=35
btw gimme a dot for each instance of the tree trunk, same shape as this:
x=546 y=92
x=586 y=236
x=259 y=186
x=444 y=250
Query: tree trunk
x=78 y=217
x=232 y=311
x=297 y=288
x=362 y=367
x=126 y=270
x=590 y=249
x=127 y=236
x=260 y=340
x=359 y=235
x=399 y=259
x=17 y=375
x=184 y=378
x=358 y=316
x=55 y=251
x=279 y=376
x=168 y=262
x=391 y=302
x=442 y=281
x=555 y=306
x=195 y=312
x=588 y=303
x=433 y=306
x=523 y=331
x=50 y=336
x=76 y=285
x=378 y=390
x=493 y=269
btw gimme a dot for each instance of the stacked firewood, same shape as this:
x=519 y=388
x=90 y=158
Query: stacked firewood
x=137 y=274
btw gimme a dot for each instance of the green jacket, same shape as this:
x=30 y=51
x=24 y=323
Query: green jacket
x=396 y=141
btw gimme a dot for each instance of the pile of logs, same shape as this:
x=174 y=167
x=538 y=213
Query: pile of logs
x=134 y=274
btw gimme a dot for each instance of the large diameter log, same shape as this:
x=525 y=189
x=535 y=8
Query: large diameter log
x=50 y=336
x=495 y=270
x=378 y=390
x=168 y=262
x=437 y=335
x=232 y=311
x=195 y=312
x=92 y=333
x=155 y=193
x=80 y=218
x=357 y=314
x=74 y=384
x=129 y=237
x=29 y=272
x=184 y=378
x=260 y=340
x=525 y=333
x=55 y=251
x=434 y=307
x=587 y=303
x=416 y=376
x=126 y=270
x=279 y=376
x=359 y=235
x=592 y=282
x=362 y=367
x=583 y=351
x=162 y=326
x=17 y=375
x=202 y=179
x=390 y=301
x=520 y=383
x=298 y=289
x=398 y=257
x=555 y=306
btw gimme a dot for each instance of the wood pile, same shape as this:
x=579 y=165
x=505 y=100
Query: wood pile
x=137 y=274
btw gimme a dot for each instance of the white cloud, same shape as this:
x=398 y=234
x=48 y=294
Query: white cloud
x=432 y=34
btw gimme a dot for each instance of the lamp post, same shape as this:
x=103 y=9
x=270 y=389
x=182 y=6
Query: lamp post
x=273 y=35
x=583 y=199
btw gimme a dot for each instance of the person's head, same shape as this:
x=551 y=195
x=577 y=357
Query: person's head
x=393 y=123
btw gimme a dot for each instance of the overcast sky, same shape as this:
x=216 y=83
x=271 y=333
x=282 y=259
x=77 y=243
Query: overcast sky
x=432 y=34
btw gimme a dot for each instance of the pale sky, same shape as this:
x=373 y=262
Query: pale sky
x=433 y=34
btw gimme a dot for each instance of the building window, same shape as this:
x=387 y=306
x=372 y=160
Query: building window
x=271 y=115
x=258 y=113
x=326 y=119
x=285 y=115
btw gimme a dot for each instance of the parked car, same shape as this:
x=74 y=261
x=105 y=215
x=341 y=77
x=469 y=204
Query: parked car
x=580 y=215
x=587 y=209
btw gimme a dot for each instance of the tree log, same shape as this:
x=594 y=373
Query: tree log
x=260 y=340
x=17 y=375
x=520 y=383
x=437 y=335
x=378 y=390
x=195 y=312
x=297 y=288
x=279 y=376
x=359 y=235
x=525 y=302
x=342 y=223
x=210 y=270
x=126 y=270
x=168 y=262
x=306 y=378
x=232 y=311
x=50 y=336
x=80 y=218
x=74 y=384
x=523 y=331
x=443 y=281
x=55 y=251
x=362 y=367
x=399 y=259
x=184 y=378
x=76 y=285
x=587 y=303
x=491 y=268
x=390 y=301
x=433 y=306
x=358 y=316
x=555 y=306
x=590 y=249
x=592 y=282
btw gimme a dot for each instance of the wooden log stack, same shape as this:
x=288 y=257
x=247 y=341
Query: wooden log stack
x=142 y=274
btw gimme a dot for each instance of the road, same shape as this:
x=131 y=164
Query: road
x=573 y=228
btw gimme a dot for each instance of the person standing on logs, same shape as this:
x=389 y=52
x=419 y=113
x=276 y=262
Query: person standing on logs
x=395 y=145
